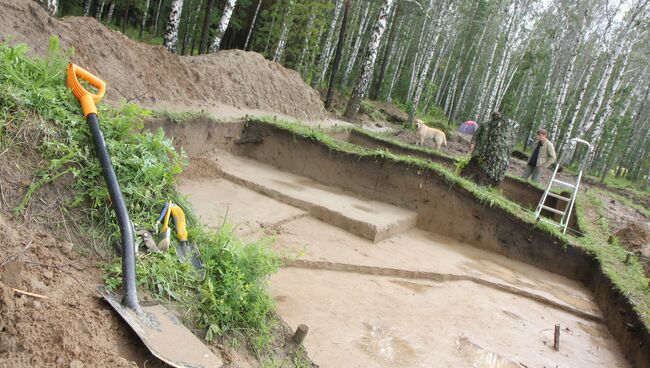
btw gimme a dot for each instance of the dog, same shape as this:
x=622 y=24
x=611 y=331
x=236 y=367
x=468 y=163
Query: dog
x=423 y=132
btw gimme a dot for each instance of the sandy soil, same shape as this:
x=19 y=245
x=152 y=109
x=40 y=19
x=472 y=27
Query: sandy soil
x=149 y=74
x=71 y=326
x=358 y=319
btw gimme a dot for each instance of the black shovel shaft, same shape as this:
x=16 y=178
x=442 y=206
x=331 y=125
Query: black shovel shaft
x=130 y=298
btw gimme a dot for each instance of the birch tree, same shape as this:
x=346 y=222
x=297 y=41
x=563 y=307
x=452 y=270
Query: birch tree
x=433 y=37
x=252 y=26
x=368 y=62
x=326 y=51
x=279 y=50
x=144 y=19
x=228 y=8
x=170 y=39
x=99 y=10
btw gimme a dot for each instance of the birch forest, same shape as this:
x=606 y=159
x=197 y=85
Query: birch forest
x=577 y=68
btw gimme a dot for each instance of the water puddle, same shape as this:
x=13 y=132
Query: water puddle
x=481 y=358
x=386 y=348
x=413 y=286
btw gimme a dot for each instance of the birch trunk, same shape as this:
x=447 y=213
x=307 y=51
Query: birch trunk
x=470 y=74
x=52 y=7
x=324 y=59
x=109 y=16
x=99 y=10
x=228 y=8
x=250 y=29
x=450 y=53
x=607 y=111
x=505 y=60
x=368 y=63
x=557 y=114
x=155 y=22
x=356 y=46
x=484 y=83
x=398 y=68
x=170 y=38
x=279 y=50
x=193 y=31
x=87 y=4
x=429 y=55
x=388 y=54
x=305 y=45
x=144 y=19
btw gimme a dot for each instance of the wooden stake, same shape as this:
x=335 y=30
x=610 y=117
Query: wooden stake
x=628 y=256
x=28 y=293
x=556 y=338
x=300 y=334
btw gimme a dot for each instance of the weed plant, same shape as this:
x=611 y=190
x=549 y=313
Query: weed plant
x=232 y=297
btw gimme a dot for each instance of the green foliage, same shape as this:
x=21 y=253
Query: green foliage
x=233 y=296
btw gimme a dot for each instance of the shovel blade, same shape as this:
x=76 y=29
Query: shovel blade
x=164 y=335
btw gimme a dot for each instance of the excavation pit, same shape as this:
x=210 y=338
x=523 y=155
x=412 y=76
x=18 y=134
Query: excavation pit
x=459 y=284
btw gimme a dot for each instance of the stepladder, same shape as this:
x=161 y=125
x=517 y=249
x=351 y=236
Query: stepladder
x=555 y=186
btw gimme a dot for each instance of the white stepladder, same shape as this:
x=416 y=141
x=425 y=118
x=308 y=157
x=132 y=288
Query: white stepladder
x=566 y=214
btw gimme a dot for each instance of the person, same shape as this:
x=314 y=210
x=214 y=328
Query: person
x=543 y=156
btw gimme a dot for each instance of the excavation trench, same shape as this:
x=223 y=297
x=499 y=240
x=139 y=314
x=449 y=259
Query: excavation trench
x=397 y=267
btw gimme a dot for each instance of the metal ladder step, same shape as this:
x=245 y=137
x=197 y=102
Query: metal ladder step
x=559 y=197
x=553 y=210
x=564 y=183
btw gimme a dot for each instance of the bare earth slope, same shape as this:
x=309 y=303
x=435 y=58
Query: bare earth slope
x=149 y=74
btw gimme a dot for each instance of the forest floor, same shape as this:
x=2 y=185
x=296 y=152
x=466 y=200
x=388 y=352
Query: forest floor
x=67 y=324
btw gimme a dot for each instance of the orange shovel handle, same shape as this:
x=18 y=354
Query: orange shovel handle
x=87 y=99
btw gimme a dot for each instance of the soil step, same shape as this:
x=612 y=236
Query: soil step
x=366 y=218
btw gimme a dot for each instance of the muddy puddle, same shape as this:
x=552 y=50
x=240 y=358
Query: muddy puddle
x=478 y=357
x=385 y=347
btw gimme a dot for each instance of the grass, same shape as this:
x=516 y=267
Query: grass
x=232 y=298
x=628 y=278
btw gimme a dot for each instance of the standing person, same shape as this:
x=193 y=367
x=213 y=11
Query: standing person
x=542 y=158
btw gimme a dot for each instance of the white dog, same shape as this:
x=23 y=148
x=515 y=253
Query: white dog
x=424 y=132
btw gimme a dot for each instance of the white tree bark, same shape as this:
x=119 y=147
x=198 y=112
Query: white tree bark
x=170 y=39
x=431 y=49
x=484 y=83
x=559 y=103
x=470 y=74
x=250 y=30
x=326 y=52
x=87 y=4
x=155 y=22
x=504 y=61
x=228 y=8
x=144 y=18
x=109 y=16
x=368 y=63
x=52 y=7
x=305 y=45
x=597 y=133
x=279 y=50
x=99 y=10
x=356 y=45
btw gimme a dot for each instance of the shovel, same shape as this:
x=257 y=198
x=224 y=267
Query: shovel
x=162 y=333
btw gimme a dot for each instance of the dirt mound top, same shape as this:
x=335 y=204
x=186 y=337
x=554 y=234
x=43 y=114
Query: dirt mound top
x=148 y=74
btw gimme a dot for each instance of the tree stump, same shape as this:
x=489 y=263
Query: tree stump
x=494 y=143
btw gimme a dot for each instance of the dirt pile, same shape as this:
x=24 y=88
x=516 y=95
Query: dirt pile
x=636 y=238
x=72 y=327
x=149 y=74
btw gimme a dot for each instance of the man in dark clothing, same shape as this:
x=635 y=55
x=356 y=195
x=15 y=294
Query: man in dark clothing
x=542 y=158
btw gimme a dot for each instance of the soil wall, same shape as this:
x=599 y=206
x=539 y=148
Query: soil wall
x=443 y=208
